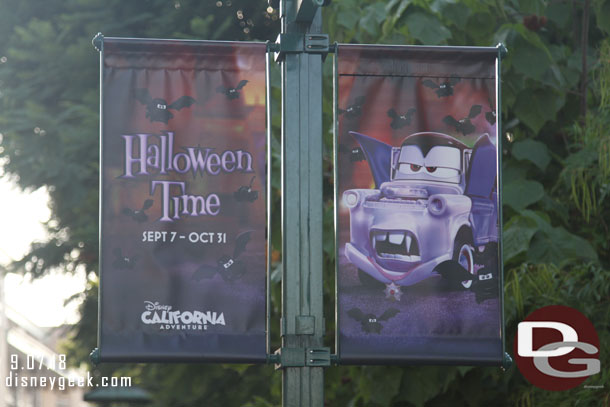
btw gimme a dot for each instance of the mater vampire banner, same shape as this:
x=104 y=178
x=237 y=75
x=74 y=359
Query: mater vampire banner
x=183 y=214
x=418 y=227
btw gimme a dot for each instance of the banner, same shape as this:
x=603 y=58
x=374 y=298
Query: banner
x=183 y=213
x=418 y=226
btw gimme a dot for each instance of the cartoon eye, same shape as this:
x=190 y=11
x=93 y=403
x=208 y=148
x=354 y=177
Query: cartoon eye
x=441 y=172
x=408 y=168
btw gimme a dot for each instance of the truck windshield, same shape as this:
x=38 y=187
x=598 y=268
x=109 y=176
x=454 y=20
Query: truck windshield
x=442 y=163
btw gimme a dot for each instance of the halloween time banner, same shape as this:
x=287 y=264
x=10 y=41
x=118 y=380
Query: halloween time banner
x=418 y=225
x=183 y=212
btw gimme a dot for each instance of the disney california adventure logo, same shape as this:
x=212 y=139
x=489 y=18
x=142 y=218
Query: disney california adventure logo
x=168 y=319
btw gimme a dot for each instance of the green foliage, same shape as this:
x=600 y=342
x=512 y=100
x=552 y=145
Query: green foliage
x=518 y=233
x=185 y=385
x=533 y=151
x=556 y=162
x=521 y=194
x=532 y=232
x=587 y=170
x=427 y=29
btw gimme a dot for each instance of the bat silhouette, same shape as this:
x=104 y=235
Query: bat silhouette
x=443 y=89
x=245 y=193
x=464 y=125
x=399 y=121
x=491 y=115
x=231 y=93
x=355 y=154
x=484 y=283
x=229 y=267
x=370 y=322
x=453 y=272
x=485 y=286
x=139 y=215
x=122 y=262
x=355 y=109
x=157 y=109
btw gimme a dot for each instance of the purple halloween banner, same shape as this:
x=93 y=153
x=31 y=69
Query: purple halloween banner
x=418 y=225
x=183 y=214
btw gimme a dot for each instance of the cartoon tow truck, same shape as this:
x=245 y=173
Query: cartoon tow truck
x=433 y=209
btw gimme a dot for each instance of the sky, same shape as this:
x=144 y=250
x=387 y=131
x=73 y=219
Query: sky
x=21 y=222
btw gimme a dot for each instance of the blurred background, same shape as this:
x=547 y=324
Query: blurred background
x=556 y=185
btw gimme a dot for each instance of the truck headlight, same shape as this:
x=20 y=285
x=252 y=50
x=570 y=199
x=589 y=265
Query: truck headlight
x=351 y=198
x=437 y=205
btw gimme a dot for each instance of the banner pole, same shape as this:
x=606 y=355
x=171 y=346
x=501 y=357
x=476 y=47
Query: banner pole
x=302 y=356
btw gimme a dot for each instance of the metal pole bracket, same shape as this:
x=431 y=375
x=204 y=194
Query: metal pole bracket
x=317 y=44
x=98 y=42
x=296 y=43
x=301 y=357
x=288 y=43
x=94 y=356
x=507 y=362
x=290 y=357
x=318 y=357
x=502 y=50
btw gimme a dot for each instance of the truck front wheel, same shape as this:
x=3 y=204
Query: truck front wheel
x=463 y=253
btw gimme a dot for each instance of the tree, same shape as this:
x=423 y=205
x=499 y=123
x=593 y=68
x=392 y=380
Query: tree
x=555 y=110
